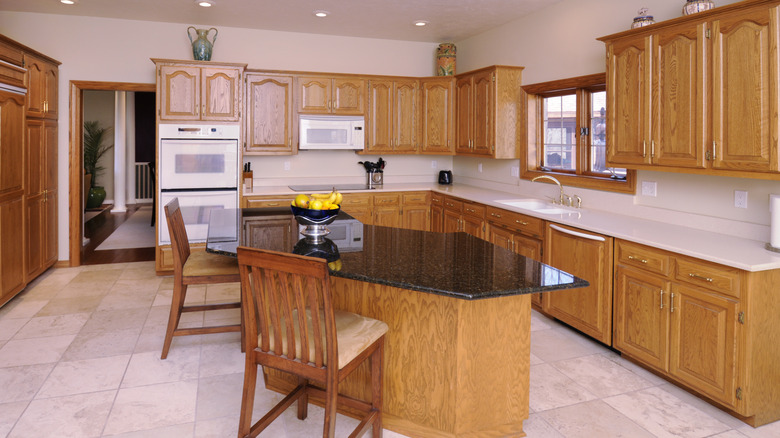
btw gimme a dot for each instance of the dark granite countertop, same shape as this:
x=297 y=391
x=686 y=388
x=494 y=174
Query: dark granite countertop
x=453 y=264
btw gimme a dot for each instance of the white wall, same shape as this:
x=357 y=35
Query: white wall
x=560 y=42
x=110 y=50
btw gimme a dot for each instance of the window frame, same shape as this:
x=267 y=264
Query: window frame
x=581 y=86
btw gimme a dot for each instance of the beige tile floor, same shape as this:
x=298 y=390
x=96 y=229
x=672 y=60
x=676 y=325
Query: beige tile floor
x=80 y=357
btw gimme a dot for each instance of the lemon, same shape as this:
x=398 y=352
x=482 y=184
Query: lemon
x=326 y=205
x=302 y=201
x=315 y=204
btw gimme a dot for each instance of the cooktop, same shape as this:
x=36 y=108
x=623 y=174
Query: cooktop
x=328 y=187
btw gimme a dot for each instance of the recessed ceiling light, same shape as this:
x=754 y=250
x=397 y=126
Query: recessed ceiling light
x=321 y=14
x=420 y=23
x=68 y=2
x=205 y=3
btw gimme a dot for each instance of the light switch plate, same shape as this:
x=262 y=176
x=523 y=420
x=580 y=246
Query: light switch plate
x=649 y=188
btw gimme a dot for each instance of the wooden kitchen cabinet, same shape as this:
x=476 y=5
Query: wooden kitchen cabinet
x=437 y=212
x=327 y=95
x=264 y=232
x=490 y=112
x=589 y=256
x=460 y=215
x=199 y=91
x=437 y=116
x=269 y=124
x=696 y=93
x=359 y=206
x=415 y=210
x=41 y=196
x=387 y=210
x=42 y=82
x=519 y=233
x=392 y=116
x=266 y=201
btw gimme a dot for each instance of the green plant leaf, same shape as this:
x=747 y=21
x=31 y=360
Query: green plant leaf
x=94 y=136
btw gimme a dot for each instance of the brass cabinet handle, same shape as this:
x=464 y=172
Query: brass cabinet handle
x=662 y=298
x=652 y=149
x=701 y=277
x=637 y=259
x=523 y=223
x=644 y=149
x=471 y=210
x=671 y=302
x=495 y=215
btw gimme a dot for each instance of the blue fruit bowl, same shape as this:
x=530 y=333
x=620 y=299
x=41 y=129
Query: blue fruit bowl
x=307 y=216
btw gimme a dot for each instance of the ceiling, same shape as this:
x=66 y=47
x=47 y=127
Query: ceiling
x=449 y=20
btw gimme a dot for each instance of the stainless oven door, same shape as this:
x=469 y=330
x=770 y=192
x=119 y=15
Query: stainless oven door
x=195 y=163
x=196 y=207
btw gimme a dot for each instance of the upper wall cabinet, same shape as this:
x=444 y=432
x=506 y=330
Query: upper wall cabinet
x=327 y=95
x=697 y=93
x=199 y=91
x=42 y=82
x=490 y=112
x=437 y=102
x=269 y=115
x=392 y=116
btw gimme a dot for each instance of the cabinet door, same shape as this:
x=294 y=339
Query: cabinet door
x=387 y=215
x=34 y=231
x=464 y=107
x=313 y=94
x=50 y=90
x=527 y=246
x=628 y=101
x=220 y=94
x=473 y=226
x=348 y=96
x=380 y=116
x=744 y=91
x=405 y=95
x=703 y=341
x=482 y=113
x=451 y=221
x=49 y=249
x=437 y=118
x=437 y=219
x=641 y=316
x=588 y=256
x=35 y=82
x=12 y=272
x=679 y=128
x=269 y=125
x=264 y=232
x=34 y=150
x=179 y=93
x=415 y=217
x=500 y=237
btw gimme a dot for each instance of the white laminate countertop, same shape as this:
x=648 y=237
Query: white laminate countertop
x=746 y=254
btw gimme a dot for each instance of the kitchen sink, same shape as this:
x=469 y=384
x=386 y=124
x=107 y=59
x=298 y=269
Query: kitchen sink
x=535 y=205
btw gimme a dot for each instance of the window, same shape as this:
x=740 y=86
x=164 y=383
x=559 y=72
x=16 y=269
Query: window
x=567 y=134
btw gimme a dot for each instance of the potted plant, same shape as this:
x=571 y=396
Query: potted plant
x=94 y=136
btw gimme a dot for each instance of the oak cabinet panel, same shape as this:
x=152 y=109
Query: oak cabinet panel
x=415 y=211
x=195 y=92
x=392 y=116
x=264 y=232
x=387 y=209
x=436 y=114
x=12 y=272
x=42 y=85
x=459 y=215
x=269 y=121
x=41 y=196
x=326 y=95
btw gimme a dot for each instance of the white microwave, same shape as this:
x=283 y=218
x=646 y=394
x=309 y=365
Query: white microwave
x=347 y=234
x=331 y=132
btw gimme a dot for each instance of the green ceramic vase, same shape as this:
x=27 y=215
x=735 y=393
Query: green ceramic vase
x=96 y=197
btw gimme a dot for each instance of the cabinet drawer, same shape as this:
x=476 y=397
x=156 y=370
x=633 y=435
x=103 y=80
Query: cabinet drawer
x=266 y=202
x=708 y=275
x=453 y=204
x=415 y=198
x=355 y=200
x=474 y=210
x=643 y=257
x=515 y=221
x=387 y=199
x=437 y=199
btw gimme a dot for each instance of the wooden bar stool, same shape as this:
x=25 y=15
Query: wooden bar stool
x=290 y=325
x=195 y=268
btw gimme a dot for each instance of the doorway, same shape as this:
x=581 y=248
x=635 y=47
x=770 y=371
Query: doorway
x=76 y=176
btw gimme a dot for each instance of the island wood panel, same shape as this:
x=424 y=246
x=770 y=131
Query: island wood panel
x=453 y=368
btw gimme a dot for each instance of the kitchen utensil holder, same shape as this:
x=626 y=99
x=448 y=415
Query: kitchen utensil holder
x=248 y=181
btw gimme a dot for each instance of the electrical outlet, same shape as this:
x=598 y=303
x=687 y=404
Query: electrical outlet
x=479 y=167
x=434 y=164
x=286 y=165
x=649 y=188
x=515 y=171
x=740 y=198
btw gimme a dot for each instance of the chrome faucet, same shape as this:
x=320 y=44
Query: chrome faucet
x=553 y=179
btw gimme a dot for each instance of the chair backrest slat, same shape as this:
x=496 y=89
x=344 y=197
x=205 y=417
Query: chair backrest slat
x=286 y=291
x=180 y=244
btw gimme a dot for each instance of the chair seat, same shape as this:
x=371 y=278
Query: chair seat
x=354 y=333
x=202 y=264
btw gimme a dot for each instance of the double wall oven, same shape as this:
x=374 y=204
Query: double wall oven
x=198 y=164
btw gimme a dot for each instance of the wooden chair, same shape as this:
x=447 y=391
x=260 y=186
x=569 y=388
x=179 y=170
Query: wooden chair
x=195 y=268
x=287 y=299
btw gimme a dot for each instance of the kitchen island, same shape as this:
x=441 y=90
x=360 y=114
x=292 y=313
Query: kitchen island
x=458 y=349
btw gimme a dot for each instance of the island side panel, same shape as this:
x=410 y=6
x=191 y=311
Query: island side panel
x=494 y=348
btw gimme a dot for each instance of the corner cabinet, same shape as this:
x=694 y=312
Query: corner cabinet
x=199 y=91
x=697 y=93
x=269 y=123
x=391 y=123
x=490 y=109
x=437 y=116
x=708 y=327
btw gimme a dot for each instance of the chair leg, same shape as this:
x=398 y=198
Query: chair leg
x=303 y=401
x=177 y=302
x=377 y=358
x=331 y=400
x=248 y=398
